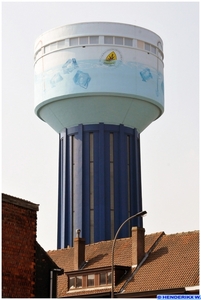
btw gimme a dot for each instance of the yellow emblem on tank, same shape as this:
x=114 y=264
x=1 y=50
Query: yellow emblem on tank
x=111 y=57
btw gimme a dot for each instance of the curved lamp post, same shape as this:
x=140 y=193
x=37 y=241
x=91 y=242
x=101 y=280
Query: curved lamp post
x=113 y=245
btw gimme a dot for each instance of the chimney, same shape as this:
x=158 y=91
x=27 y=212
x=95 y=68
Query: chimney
x=137 y=245
x=79 y=250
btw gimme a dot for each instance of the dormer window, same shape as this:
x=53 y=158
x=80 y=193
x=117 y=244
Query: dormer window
x=96 y=278
x=75 y=282
x=90 y=280
x=105 y=278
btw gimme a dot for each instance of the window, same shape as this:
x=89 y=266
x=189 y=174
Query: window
x=86 y=280
x=102 y=279
x=109 y=278
x=72 y=283
x=94 y=39
x=105 y=278
x=61 y=44
x=160 y=54
x=118 y=40
x=47 y=48
x=153 y=49
x=128 y=42
x=78 y=281
x=140 y=44
x=83 y=40
x=147 y=47
x=108 y=39
x=90 y=280
x=73 y=41
x=75 y=282
x=53 y=46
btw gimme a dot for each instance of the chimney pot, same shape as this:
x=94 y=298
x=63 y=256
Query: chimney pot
x=78 y=232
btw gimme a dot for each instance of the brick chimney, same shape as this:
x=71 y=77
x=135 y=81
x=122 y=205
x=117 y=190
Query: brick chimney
x=137 y=245
x=79 y=250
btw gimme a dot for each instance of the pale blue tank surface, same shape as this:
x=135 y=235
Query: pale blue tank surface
x=99 y=72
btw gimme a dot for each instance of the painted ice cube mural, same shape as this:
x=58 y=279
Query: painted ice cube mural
x=80 y=74
x=146 y=74
x=82 y=79
x=69 y=66
x=55 y=79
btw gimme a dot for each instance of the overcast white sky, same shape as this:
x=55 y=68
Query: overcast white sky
x=169 y=146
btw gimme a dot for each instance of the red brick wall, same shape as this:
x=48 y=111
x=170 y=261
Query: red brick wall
x=18 y=250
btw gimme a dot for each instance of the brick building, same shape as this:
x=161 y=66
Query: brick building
x=18 y=247
x=26 y=266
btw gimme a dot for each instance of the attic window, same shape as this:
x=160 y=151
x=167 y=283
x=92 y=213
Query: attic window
x=75 y=282
x=105 y=278
x=90 y=280
x=94 y=279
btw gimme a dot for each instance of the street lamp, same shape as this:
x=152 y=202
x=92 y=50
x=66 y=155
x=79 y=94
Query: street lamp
x=113 y=245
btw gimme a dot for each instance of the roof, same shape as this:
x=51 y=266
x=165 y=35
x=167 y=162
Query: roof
x=170 y=262
x=19 y=202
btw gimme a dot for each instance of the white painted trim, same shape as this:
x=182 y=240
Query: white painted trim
x=192 y=288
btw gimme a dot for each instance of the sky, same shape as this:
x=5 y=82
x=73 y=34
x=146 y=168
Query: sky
x=169 y=146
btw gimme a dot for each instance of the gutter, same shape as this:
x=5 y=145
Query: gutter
x=57 y=271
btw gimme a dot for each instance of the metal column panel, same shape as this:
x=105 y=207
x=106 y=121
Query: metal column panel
x=86 y=189
x=77 y=180
x=96 y=187
x=123 y=200
x=107 y=186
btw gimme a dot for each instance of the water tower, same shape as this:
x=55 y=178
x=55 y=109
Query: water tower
x=99 y=85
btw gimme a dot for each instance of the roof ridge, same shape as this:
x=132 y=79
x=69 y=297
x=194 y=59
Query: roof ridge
x=19 y=202
x=37 y=244
x=182 y=233
x=108 y=241
x=154 y=233
x=160 y=233
x=100 y=242
x=62 y=249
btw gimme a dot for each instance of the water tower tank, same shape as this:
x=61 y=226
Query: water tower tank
x=99 y=85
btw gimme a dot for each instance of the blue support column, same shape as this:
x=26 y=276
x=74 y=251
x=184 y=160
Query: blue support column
x=86 y=189
x=123 y=182
x=116 y=181
x=107 y=187
x=63 y=213
x=77 y=180
x=101 y=228
x=136 y=203
x=59 y=227
x=138 y=175
x=96 y=187
x=90 y=209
